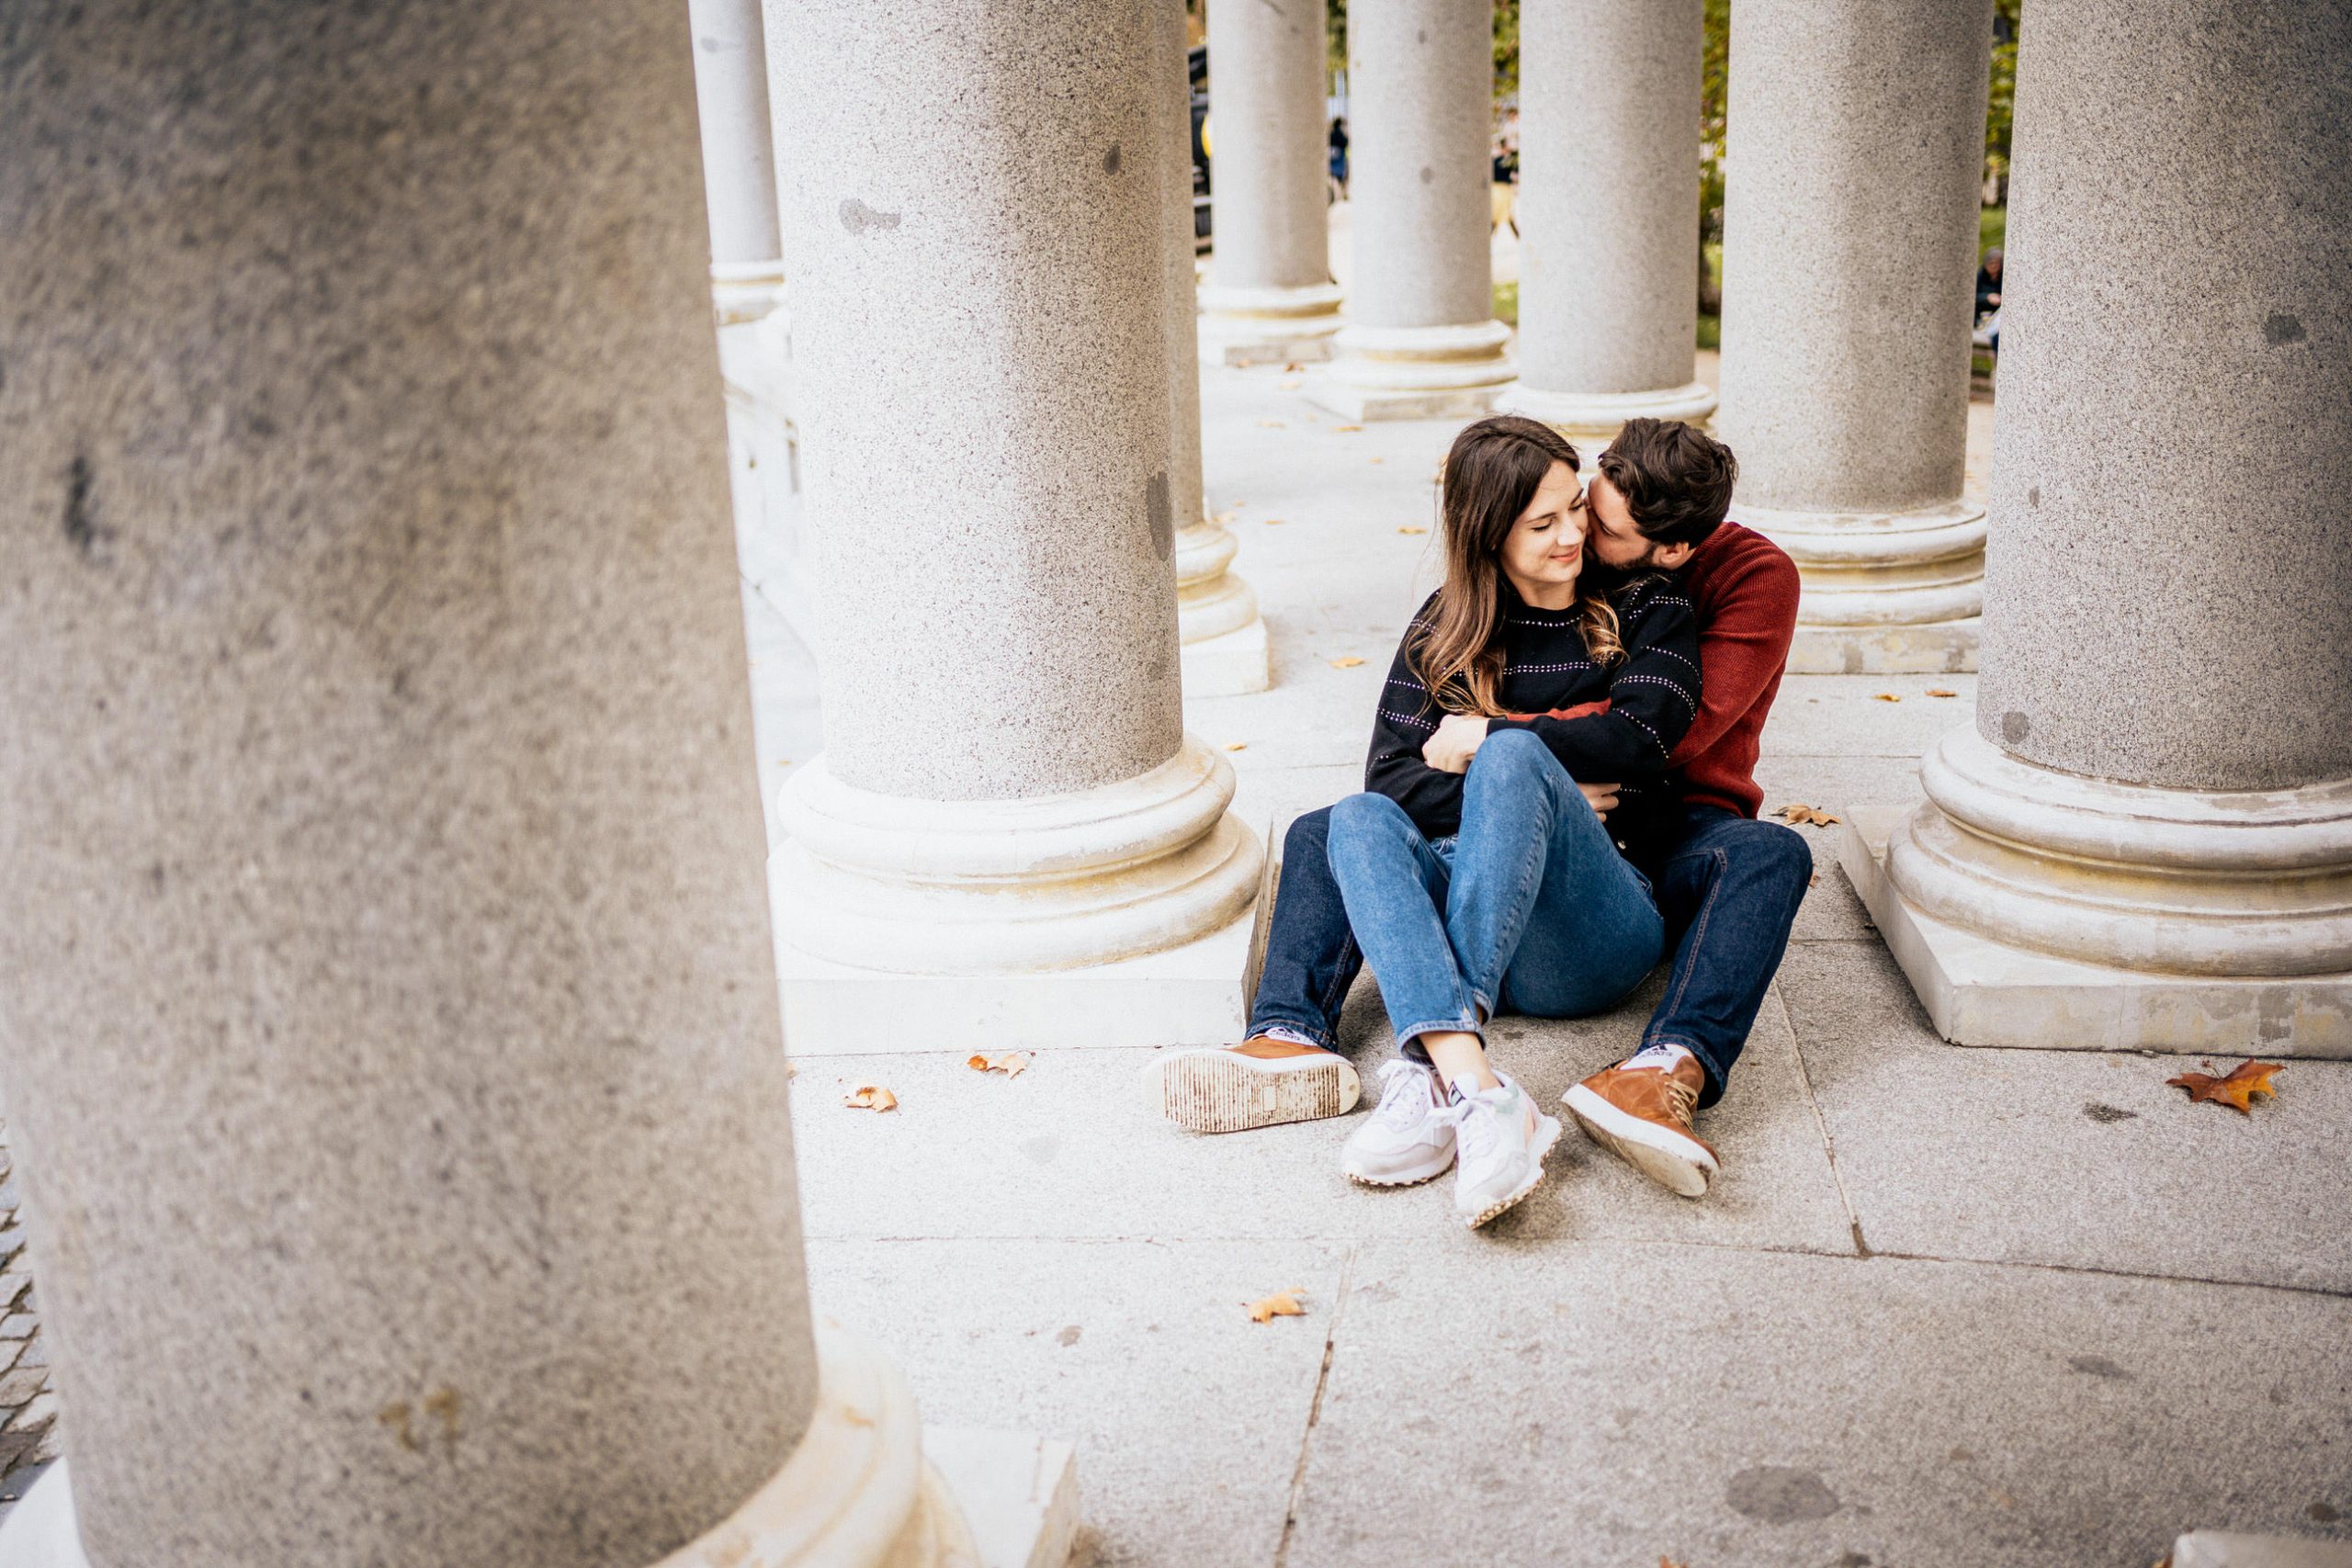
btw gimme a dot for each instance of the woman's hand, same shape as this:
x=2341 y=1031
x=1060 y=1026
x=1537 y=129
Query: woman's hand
x=1457 y=741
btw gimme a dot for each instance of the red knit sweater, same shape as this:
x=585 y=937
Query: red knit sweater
x=1746 y=590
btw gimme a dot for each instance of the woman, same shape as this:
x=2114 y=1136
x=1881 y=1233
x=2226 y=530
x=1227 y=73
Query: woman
x=1475 y=873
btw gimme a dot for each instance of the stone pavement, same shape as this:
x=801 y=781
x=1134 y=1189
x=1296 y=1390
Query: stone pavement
x=1944 y=1307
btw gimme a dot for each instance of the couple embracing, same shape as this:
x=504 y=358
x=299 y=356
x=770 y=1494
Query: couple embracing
x=1560 y=793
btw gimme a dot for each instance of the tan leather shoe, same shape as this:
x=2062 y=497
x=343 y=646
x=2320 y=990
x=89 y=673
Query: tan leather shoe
x=1258 y=1083
x=1643 y=1115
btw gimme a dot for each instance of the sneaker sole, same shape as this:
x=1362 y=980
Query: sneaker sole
x=1678 y=1164
x=1404 y=1179
x=1216 y=1091
x=1547 y=1133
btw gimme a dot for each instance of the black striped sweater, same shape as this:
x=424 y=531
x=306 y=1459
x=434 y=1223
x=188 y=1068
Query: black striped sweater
x=1629 y=716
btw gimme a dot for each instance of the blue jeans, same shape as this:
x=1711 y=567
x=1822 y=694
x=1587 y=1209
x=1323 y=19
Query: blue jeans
x=1728 y=890
x=1529 y=907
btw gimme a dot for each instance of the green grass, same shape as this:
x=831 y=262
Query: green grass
x=1507 y=303
x=1992 y=224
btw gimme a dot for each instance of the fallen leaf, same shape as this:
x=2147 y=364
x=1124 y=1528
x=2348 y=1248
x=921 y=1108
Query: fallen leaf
x=1282 y=1303
x=857 y=1417
x=1292 y=368
x=1374 y=459
x=1272 y=423
x=1349 y=662
x=1286 y=386
x=1226 y=516
x=1012 y=1063
x=1273 y=522
x=1797 y=815
x=1813 y=881
x=869 y=1098
x=1940 y=692
x=1345 y=429
x=1412 y=530
x=2237 y=1090
x=1237 y=745
x=784 y=761
x=1886 y=696
x=1664 y=1562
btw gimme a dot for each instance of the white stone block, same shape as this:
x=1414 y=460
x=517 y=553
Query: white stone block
x=1930 y=648
x=2217 y=1548
x=1231 y=665
x=1018 y=1491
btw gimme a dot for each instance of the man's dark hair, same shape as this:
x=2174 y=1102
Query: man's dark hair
x=1676 y=483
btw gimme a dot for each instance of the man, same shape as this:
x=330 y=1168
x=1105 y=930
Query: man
x=1728 y=884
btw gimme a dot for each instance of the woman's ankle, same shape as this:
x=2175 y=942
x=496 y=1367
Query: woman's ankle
x=1459 y=1058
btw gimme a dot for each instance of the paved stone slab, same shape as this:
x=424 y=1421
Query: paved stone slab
x=1069 y=1150
x=1187 y=1416
x=1842 y=716
x=1612 y=1404
x=2083 y=1158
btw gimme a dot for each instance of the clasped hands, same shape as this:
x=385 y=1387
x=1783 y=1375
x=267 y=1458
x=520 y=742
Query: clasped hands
x=1458 y=737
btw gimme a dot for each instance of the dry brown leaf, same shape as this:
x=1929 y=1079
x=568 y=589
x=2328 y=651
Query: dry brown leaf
x=1012 y=1063
x=1412 y=530
x=1237 y=745
x=2237 y=1090
x=870 y=1097
x=1665 y=1561
x=1376 y=459
x=857 y=1417
x=1282 y=1303
x=1942 y=692
x=1224 y=516
x=1273 y=522
x=1349 y=662
x=1886 y=696
x=1292 y=368
x=1798 y=814
x=1273 y=425
x=1287 y=386
x=1345 y=429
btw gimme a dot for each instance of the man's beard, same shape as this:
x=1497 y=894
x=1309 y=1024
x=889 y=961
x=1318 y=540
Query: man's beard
x=1609 y=579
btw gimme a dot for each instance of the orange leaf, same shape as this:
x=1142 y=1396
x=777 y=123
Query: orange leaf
x=1410 y=530
x=1272 y=423
x=1012 y=1063
x=1349 y=662
x=1798 y=814
x=1282 y=1303
x=1273 y=522
x=1886 y=696
x=1292 y=368
x=1237 y=745
x=870 y=1097
x=1344 y=429
x=1940 y=692
x=2237 y=1091
x=1376 y=459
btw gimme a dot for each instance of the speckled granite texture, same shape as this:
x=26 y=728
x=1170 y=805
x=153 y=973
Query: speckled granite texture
x=390 y=1041
x=1268 y=201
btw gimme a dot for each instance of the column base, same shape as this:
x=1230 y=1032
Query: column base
x=1591 y=419
x=1223 y=641
x=1268 y=326
x=1930 y=648
x=2031 y=907
x=1231 y=664
x=867 y=1488
x=1383 y=373
x=1869 y=574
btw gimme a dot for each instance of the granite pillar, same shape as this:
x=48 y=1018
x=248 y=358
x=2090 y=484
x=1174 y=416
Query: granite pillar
x=747 y=289
x=2145 y=840
x=1607 y=217
x=1855 y=156
x=390 y=1038
x=1269 y=297
x=1224 y=640
x=1421 y=341
x=1008 y=802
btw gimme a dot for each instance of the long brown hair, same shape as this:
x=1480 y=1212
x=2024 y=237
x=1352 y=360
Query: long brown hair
x=1489 y=478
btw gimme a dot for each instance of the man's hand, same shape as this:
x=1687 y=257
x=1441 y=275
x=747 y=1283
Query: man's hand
x=1457 y=741
x=1603 y=797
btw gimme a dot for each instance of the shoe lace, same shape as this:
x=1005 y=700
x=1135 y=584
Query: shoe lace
x=1682 y=1099
x=1477 y=1122
x=1404 y=1094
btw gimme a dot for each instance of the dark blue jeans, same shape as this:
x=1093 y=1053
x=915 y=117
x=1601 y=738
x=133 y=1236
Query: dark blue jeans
x=1728 y=888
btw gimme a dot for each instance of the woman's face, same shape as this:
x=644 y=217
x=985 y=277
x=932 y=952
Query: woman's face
x=1543 y=554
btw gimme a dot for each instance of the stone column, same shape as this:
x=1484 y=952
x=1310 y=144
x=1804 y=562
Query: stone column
x=1269 y=296
x=1421 y=341
x=2146 y=838
x=390 y=1039
x=1853 y=174
x=1216 y=613
x=1007 y=789
x=1608 y=216
x=747 y=287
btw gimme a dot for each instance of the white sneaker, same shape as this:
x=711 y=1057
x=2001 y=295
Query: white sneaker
x=1408 y=1138
x=1504 y=1139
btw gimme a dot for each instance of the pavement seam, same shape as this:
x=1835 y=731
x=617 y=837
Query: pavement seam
x=1314 y=1413
x=1828 y=1144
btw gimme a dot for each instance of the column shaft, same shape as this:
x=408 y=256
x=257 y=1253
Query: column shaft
x=1223 y=642
x=738 y=152
x=1269 y=297
x=983 y=341
x=2146 y=838
x=390 y=1033
x=1852 y=178
x=1421 y=340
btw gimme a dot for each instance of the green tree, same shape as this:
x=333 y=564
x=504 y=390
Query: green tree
x=1714 y=67
x=2001 y=103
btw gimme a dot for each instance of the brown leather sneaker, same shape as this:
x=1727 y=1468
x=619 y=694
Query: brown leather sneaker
x=1643 y=1113
x=1258 y=1083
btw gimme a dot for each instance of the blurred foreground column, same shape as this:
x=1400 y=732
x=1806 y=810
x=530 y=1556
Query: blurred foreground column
x=1851 y=180
x=1269 y=296
x=2146 y=838
x=1421 y=341
x=1216 y=613
x=390 y=1036
x=1607 y=217
x=1009 y=837
x=748 y=294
